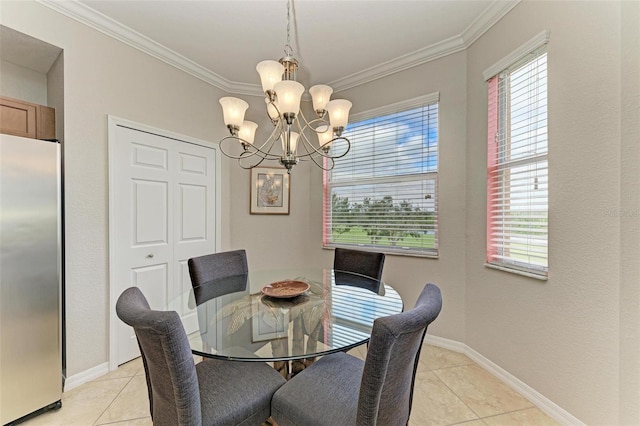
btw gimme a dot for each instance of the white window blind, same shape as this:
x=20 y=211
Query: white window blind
x=383 y=194
x=517 y=175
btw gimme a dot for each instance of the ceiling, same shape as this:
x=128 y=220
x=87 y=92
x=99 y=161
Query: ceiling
x=341 y=43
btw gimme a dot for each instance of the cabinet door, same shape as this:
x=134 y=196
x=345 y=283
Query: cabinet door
x=17 y=118
x=46 y=122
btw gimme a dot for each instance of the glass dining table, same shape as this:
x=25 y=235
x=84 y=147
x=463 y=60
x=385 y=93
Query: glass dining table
x=233 y=319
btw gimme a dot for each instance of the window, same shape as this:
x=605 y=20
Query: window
x=383 y=195
x=517 y=176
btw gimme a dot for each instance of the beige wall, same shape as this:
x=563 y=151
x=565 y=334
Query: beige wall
x=409 y=274
x=561 y=337
x=271 y=240
x=22 y=83
x=630 y=215
x=573 y=338
x=103 y=76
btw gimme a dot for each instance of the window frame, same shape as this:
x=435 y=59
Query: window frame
x=498 y=131
x=418 y=102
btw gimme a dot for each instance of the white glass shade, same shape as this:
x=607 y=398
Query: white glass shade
x=325 y=137
x=270 y=73
x=289 y=93
x=248 y=131
x=320 y=95
x=339 y=112
x=293 y=143
x=233 y=110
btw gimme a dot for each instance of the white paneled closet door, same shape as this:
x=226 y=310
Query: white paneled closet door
x=163 y=213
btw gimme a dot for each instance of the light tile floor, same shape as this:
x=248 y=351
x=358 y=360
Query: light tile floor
x=450 y=389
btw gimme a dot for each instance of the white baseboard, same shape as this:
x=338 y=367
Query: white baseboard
x=552 y=409
x=545 y=404
x=85 y=376
x=441 y=342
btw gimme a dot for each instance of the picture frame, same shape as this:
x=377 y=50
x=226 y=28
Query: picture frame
x=270 y=190
x=267 y=323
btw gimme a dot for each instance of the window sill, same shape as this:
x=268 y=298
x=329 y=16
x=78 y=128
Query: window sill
x=517 y=272
x=387 y=253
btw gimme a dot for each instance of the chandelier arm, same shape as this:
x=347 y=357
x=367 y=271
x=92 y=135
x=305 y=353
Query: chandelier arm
x=303 y=136
x=333 y=163
x=269 y=155
x=320 y=150
x=251 y=166
x=271 y=102
x=249 y=150
x=321 y=165
x=237 y=139
x=346 y=151
x=308 y=124
x=260 y=151
x=275 y=134
x=314 y=154
x=247 y=167
x=306 y=143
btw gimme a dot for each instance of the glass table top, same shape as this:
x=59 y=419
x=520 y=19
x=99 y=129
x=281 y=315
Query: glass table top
x=232 y=319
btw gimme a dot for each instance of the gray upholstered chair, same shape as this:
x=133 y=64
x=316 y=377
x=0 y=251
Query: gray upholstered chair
x=214 y=275
x=213 y=392
x=340 y=389
x=217 y=265
x=361 y=262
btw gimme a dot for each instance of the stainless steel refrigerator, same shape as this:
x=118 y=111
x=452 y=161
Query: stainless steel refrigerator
x=30 y=277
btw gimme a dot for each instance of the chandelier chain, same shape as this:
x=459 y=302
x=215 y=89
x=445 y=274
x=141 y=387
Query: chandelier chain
x=288 y=50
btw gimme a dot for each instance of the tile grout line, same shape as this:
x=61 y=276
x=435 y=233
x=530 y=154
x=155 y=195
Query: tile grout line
x=114 y=398
x=125 y=421
x=453 y=392
x=479 y=417
x=514 y=411
x=466 y=421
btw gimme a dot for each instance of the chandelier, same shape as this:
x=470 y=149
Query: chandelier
x=282 y=97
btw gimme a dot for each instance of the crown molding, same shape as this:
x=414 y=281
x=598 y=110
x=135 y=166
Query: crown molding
x=96 y=20
x=418 y=57
x=532 y=44
x=479 y=26
x=486 y=20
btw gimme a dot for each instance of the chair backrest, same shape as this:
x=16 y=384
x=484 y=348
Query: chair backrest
x=217 y=265
x=361 y=262
x=386 y=390
x=171 y=373
x=222 y=286
x=357 y=280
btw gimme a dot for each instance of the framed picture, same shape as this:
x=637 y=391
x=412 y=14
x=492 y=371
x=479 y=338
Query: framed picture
x=267 y=323
x=270 y=190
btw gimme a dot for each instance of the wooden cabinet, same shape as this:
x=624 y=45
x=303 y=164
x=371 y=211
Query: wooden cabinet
x=28 y=120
